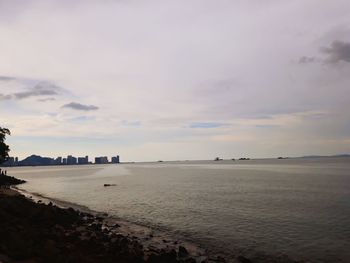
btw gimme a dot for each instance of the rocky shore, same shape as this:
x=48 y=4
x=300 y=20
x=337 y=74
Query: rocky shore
x=37 y=232
x=6 y=180
x=40 y=231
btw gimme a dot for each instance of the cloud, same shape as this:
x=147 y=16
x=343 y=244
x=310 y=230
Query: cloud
x=127 y=123
x=82 y=119
x=175 y=76
x=6 y=78
x=40 y=89
x=337 y=52
x=307 y=60
x=266 y=126
x=46 y=99
x=78 y=106
x=206 y=125
x=5 y=97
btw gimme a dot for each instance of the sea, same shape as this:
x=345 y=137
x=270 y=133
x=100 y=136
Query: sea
x=297 y=208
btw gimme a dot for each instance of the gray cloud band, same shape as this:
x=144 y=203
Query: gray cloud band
x=78 y=106
x=41 y=89
x=6 y=78
x=338 y=51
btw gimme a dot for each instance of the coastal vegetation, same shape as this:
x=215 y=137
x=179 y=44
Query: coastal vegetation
x=4 y=148
x=4 y=155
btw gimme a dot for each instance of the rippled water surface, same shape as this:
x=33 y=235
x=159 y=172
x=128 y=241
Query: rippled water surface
x=294 y=207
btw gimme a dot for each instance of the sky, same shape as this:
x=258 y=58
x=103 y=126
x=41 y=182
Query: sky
x=175 y=79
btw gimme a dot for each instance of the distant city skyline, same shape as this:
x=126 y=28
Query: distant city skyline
x=69 y=160
x=170 y=80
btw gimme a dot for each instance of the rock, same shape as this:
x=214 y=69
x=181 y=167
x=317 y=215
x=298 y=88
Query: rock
x=163 y=257
x=153 y=249
x=182 y=252
x=221 y=259
x=107 y=185
x=80 y=228
x=96 y=226
x=190 y=260
x=242 y=259
x=9 y=180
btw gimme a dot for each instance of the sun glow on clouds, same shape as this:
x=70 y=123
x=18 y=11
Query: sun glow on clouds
x=175 y=79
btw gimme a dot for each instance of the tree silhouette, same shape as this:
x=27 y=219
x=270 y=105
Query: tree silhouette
x=4 y=148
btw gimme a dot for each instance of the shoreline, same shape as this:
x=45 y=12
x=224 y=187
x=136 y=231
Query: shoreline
x=146 y=234
x=109 y=238
x=94 y=229
x=110 y=241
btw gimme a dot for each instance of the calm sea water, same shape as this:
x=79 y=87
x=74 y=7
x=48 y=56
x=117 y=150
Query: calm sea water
x=294 y=207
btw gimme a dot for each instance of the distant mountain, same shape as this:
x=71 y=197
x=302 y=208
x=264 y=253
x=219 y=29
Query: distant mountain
x=34 y=160
x=341 y=155
x=326 y=156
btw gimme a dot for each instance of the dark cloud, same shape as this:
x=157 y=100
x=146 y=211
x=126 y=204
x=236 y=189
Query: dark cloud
x=307 y=60
x=338 y=51
x=78 y=106
x=40 y=89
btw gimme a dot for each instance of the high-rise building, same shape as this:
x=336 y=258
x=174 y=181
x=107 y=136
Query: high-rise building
x=71 y=160
x=64 y=161
x=10 y=161
x=83 y=160
x=58 y=161
x=115 y=159
x=101 y=160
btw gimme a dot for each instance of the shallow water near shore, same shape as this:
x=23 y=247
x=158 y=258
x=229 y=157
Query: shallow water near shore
x=294 y=207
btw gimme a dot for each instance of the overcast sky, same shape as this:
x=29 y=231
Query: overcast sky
x=175 y=79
